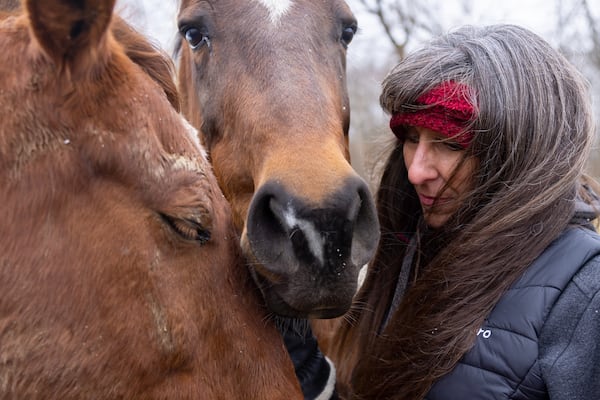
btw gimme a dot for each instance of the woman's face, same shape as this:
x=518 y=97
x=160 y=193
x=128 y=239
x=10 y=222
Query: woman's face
x=431 y=160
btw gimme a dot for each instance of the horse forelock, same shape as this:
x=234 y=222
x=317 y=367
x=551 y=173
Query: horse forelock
x=158 y=65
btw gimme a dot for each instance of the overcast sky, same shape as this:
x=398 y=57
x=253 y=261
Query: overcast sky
x=157 y=17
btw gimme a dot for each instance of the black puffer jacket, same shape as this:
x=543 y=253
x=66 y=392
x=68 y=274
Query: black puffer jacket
x=542 y=340
x=315 y=372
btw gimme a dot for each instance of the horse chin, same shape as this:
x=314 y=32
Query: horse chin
x=291 y=300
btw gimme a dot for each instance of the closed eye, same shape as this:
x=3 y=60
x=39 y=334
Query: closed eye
x=448 y=144
x=187 y=229
x=453 y=145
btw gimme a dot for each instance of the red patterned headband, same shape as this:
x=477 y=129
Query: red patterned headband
x=449 y=113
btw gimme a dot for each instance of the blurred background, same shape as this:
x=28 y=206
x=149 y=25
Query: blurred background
x=388 y=29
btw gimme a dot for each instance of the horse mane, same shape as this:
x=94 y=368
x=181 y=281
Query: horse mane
x=156 y=63
x=152 y=60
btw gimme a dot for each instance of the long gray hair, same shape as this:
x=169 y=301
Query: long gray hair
x=532 y=135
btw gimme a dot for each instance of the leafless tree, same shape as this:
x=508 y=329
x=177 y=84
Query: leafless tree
x=404 y=20
x=578 y=36
x=594 y=27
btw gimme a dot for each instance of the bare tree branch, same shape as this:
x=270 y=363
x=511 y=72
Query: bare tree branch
x=595 y=34
x=401 y=21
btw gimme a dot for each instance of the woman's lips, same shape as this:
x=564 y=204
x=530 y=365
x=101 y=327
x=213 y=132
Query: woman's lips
x=428 y=201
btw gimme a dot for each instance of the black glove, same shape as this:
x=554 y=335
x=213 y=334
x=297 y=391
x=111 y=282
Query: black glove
x=315 y=372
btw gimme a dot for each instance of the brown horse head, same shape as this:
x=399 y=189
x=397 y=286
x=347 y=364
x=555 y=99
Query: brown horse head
x=120 y=272
x=265 y=82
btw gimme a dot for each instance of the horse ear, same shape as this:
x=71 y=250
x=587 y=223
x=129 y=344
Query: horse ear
x=69 y=29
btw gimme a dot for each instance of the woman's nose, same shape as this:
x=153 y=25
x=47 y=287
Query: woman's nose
x=421 y=165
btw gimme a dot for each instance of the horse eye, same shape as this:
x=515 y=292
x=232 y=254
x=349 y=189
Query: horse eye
x=348 y=34
x=188 y=229
x=196 y=38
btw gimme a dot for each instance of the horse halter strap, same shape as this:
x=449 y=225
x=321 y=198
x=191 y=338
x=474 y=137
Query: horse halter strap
x=445 y=109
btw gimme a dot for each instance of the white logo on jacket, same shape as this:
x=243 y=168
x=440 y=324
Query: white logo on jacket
x=485 y=333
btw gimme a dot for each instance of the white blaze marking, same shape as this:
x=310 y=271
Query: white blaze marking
x=276 y=8
x=312 y=235
x=362 y=274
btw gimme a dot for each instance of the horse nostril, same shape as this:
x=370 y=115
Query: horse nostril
x=366 y=227
x=265 y=216
x=283 y=232
x=304 y=236
x=271 y=232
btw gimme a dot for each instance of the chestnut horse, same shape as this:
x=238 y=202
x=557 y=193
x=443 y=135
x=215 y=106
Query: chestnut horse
x=120 y=271
x=265 y=83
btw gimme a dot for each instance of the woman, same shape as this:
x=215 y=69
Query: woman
x=486 y=280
